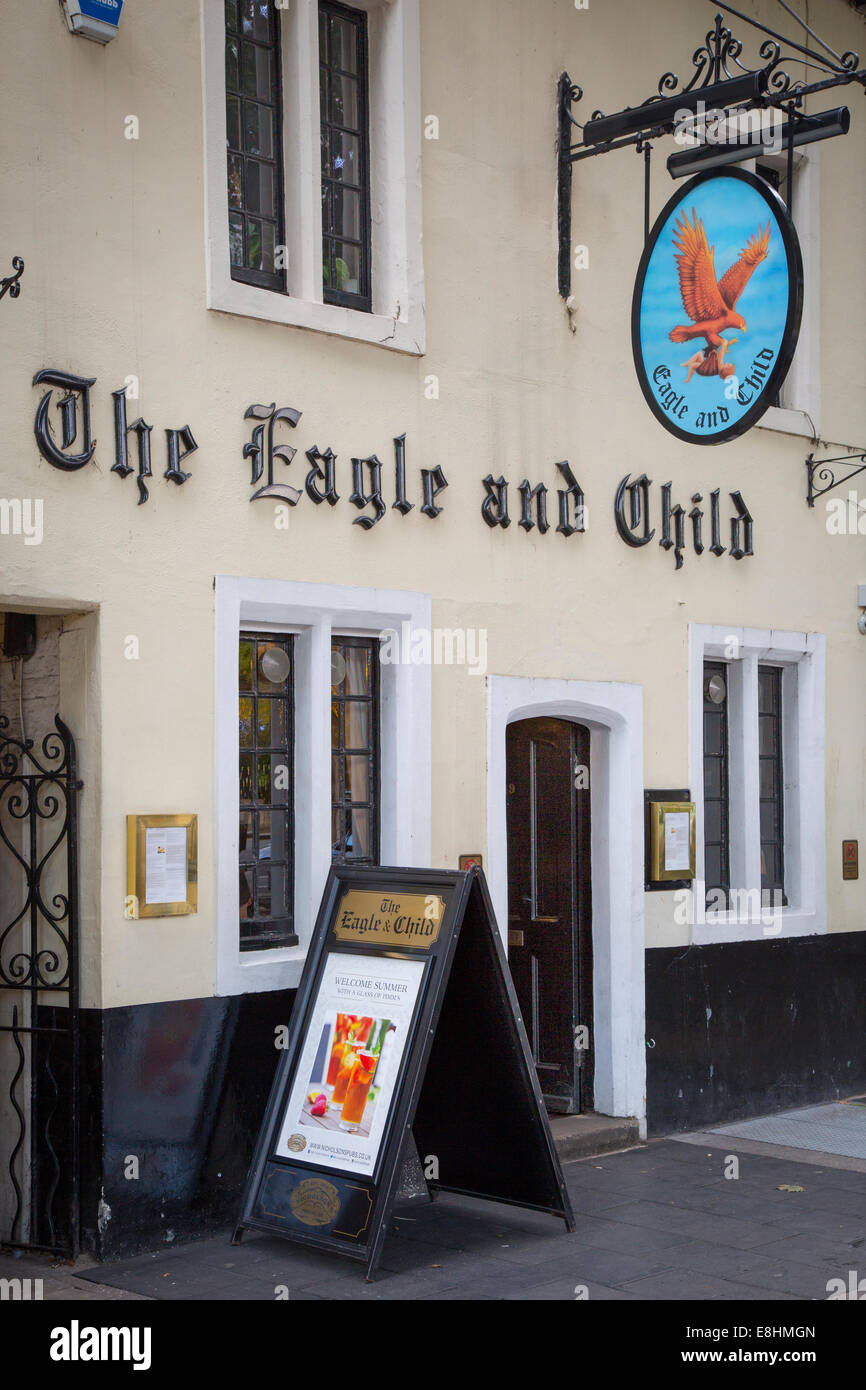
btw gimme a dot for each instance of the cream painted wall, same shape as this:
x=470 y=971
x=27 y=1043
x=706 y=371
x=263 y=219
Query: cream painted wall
x=112 y=233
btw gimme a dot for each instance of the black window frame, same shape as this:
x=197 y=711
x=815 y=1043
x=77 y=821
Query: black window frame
x=362 y=299
x=719 y=712
x=277 y=930
x=775 y=759
x=373 y=751
x=264 y=279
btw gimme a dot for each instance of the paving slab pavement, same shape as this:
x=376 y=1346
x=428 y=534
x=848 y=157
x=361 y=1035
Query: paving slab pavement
x=836 y=1128
x=661 y=1221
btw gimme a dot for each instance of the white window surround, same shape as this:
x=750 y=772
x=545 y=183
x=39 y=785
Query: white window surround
x=397 y=321
x=314 y=612
x=802 y=658
x=614 y=714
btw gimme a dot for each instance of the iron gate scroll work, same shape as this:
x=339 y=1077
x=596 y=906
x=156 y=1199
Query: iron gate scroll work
x=39 y=1037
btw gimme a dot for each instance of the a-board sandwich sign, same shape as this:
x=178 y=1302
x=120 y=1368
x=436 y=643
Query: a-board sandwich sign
x=717 y=306
x=405 y=1037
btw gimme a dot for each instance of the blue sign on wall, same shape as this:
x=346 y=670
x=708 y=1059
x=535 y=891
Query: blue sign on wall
x=717 y=305
x=106 y=10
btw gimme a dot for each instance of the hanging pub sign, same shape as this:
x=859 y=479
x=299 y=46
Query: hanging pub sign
x=405 y=1043
x=717 y=305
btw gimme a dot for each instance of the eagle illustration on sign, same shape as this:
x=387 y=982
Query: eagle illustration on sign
x=708 y=397
x=710 y=304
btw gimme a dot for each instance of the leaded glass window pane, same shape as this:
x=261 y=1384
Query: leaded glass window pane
x=345 y=154
x=770 y=779
x=266 y=829
x=717 y=872
x=254 y=117
x=355 y=750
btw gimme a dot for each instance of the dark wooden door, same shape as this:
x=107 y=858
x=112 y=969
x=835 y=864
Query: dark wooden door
x=549 y=902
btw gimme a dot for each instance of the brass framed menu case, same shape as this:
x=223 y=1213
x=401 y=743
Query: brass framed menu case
x=162 y=864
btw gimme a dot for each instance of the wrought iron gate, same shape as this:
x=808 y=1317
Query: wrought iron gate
x=39 y=1039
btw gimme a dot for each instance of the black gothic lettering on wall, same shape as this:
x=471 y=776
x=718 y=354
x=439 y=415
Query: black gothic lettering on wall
x=174 y=440
x=528 y=494
x=320 y=483
x=637 y=495
x=142 y=431
x=572 y=493
x=678 y=516
x=494 y=508
x=631 y=505
x=77 y=388
x=716 y=548
x=697 y=518
x=401 y=502
x=433 y=481
x=179 y=443
x=743 y=516
x=324 y=475
x=263 y=451
x=373 y=497
x=632 y=514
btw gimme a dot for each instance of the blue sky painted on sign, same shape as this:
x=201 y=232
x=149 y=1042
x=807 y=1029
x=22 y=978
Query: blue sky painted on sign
x=731 y=211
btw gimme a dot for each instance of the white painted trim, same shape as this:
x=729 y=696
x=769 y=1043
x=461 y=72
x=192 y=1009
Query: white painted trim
x=802 y=656
x=314 y=611
x=614 y=714
x=398 y=319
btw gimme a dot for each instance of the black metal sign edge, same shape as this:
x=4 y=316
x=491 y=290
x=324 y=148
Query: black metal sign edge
x=416 y=1070
x=263 y=1151
x=530 y=1074
x=793 y=318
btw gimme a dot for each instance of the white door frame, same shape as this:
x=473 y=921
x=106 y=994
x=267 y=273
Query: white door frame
x=613 y=712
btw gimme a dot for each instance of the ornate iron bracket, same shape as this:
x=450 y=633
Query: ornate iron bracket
x=822 y=470
x=11 y=281
x=720 y=82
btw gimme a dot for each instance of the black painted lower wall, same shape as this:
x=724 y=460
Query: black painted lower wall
x=177 y=1091
x=752 y=1027
x=180 y=1087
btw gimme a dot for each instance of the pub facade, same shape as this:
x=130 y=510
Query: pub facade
x=351 y=513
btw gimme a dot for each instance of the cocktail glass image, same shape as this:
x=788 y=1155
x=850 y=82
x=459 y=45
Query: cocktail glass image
x=344 y=1074
x=357 y=1090
x=341 y=1032
x=383 y=1028
x=353 y=1077
x=362 y=1030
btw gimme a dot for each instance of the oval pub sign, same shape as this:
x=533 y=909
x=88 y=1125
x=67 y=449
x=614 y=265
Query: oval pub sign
x=717 y=305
